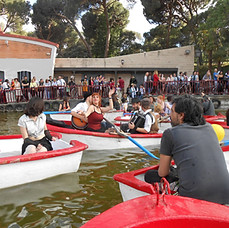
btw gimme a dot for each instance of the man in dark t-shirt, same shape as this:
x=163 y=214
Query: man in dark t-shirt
x=25 y=86
x=194 y=146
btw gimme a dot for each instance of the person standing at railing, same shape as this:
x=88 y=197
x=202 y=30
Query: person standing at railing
x=6 y=87
x=41 y=88
x=18 y=92
x=33 y=87
x=207 y=82
x=197 y=82
x=220 y=83
x=155 y=81
x=71 y=85
x=61 y=85
x=121 y=85
x=51 y=90
x=96 y=84
x=215 y=77
x=133 y=80
x=85 y=85
x=54 y=88
x=25 y=86
x=192 y=82
x=90 y=84
x=147 y=82
x=47 y=88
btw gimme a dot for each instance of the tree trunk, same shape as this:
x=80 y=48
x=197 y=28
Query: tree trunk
x=210 y=59
x=72 y=23
x=108 y=36
x=219 y=64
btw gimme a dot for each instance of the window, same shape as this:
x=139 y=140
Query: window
x=2 y=76
x=22 y=74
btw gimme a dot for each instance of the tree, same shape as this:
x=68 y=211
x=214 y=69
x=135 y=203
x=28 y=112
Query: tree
x=103 y=27
x=126 y=43
x=16 y=14
x=50 y=27
x=155 y=39
x=174 y=13
x=68 y=11
x=213 y=33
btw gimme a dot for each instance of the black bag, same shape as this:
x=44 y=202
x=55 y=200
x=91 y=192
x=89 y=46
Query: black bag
x=138 y=120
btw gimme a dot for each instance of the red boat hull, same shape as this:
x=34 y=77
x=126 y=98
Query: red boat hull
x=171 y=211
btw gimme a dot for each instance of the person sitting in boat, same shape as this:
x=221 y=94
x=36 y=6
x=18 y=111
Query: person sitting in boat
x=64 y=106
x=82 y=107
x=146 y=123
x=95 y=112
x=194 y=146
x=208 y=106
x=33 y=128
x=163 y=104
x=136 y=109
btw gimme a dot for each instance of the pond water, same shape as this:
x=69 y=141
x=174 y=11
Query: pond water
x=68 y=200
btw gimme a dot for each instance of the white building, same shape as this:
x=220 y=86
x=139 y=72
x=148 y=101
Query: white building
x=23 y=55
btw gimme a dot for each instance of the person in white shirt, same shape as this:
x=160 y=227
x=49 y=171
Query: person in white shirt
x=82 y=107
x=61 y=85
x=33 y=128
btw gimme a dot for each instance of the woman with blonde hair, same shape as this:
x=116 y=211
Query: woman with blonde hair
x=163 y=104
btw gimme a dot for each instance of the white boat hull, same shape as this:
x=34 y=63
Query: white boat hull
x=131 y=191
x=18 y=169
x=108 y=143
x=67 y=116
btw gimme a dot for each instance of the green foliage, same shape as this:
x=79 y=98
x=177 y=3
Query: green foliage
x=95 y=28
x=213 y=33
x=16 y=13
x=155 y=39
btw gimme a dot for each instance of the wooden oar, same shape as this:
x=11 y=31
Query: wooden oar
x=163 y=118
x=132 y=140
x=56 y=112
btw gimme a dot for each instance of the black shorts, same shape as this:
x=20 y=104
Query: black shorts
x=44 y=142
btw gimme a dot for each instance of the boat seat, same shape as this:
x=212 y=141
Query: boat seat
x=9 y=154
x=58 y=123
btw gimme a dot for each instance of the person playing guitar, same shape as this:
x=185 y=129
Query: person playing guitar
x=79 y=120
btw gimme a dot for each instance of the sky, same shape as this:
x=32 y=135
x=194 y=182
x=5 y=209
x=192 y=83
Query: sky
x=137 y=23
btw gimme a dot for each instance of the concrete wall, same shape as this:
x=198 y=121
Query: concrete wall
x=181 y=58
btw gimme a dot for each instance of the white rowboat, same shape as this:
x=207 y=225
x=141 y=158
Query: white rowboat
x=106 y=141
x=132 y=184
x=111 y=115
x=16 y=169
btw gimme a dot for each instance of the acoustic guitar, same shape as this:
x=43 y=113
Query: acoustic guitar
x=78 y=123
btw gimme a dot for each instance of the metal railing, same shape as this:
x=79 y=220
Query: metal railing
x=76 y=92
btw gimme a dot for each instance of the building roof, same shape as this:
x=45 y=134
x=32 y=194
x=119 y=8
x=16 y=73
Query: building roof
x=28 y=38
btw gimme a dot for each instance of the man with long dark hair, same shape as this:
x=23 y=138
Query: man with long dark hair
x=194 y=146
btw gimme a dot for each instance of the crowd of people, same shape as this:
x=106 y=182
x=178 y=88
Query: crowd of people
x=154 y=83
x=183 y=142
x=16 y=91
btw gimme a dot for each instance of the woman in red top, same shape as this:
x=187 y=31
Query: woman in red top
x=95 y=112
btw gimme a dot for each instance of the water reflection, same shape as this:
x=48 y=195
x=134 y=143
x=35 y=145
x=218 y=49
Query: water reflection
x=72 y=199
